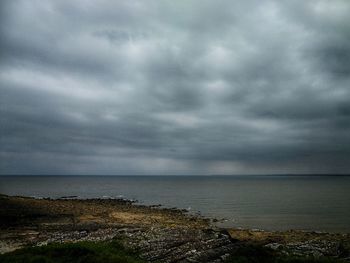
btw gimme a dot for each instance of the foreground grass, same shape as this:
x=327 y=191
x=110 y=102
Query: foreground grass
x=87 y=252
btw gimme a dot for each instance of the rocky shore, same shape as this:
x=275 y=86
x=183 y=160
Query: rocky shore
x=158 y=234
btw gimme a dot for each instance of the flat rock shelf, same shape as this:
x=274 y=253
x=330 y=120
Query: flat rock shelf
x=157 y=234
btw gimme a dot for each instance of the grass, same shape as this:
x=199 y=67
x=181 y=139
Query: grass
x=81 y=252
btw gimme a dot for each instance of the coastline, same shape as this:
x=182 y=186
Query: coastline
x=163 y=234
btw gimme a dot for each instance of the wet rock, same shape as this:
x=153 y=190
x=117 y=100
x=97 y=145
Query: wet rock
x=274 y=246
x=317 y=248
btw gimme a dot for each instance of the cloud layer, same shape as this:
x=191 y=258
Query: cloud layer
x=174 y=87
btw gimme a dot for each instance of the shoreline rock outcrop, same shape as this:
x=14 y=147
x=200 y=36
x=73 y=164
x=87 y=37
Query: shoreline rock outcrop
x=158 y=234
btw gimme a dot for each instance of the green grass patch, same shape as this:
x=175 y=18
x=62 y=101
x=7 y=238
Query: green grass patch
x=81 y=252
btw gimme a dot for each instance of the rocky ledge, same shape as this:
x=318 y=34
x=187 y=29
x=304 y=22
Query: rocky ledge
x=158 y=234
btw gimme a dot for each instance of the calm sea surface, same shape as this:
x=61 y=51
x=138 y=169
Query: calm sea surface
x=264 y=202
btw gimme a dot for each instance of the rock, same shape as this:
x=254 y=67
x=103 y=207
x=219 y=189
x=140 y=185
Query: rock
x=163 y=235
x=225 y=256
x=274 y=246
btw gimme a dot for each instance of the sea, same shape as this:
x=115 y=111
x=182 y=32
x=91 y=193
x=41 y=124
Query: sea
x=312 y=203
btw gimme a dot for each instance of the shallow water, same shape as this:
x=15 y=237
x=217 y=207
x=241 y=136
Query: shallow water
x=265 y=202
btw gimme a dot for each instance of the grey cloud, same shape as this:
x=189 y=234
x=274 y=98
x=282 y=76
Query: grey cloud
x=164 y=87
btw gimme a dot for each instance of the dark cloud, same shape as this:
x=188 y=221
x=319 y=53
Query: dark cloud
x=174 y=87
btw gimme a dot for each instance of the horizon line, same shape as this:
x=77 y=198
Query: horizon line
x=183 y=175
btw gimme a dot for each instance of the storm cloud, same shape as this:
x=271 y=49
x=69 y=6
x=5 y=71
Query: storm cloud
x=174 y=87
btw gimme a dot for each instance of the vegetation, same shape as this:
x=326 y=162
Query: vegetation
x=81 y=252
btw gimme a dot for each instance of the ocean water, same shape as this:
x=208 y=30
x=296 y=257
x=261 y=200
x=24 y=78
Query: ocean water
x=320 y=203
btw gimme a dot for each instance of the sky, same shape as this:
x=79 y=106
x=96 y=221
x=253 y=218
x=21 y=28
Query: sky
x=187 y=87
